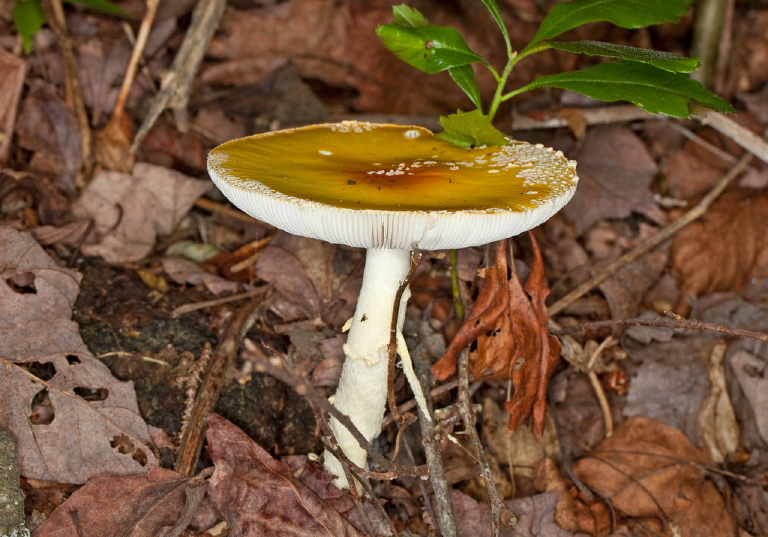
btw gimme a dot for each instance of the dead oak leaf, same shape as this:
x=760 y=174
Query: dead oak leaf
x=71 y=418
x=160 y=503
x=509 y=322
x=724 y=249
x=258 y=495
x=651 y=471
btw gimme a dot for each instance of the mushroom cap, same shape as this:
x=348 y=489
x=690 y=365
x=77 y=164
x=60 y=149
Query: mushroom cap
x=391 y=186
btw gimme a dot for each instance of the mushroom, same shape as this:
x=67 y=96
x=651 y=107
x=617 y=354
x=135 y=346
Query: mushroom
x=390 y=189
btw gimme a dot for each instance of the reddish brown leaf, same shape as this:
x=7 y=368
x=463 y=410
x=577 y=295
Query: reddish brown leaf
x=724 y=249
x=258 y=495
x=510 y=326
x=652 y=472
x=158 y=504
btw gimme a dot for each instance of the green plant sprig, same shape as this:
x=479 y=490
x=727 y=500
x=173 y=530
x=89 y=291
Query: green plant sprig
x=657 y=82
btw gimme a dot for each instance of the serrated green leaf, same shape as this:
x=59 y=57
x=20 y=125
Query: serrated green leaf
x=654 y=90
x=102 y=5
x=662 y=60
x=628 y=14
x=28 y=17
x=409 y=16
x=431 y=49
x=493 y=7
x=470 y=129
x=464 y=76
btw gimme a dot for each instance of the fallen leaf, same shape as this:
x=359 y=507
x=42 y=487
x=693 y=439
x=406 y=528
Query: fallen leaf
x=750 y=374
x=159 y=503
x=725 y=249
x=652 y=472
x=317 y=279
x=71 y=418
x=258 y=495
x=509 y=323
x=720 y=431
x=129 y=211
x=612 y=187
x=185 y=271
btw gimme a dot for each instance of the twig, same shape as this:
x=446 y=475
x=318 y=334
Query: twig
x=741 y=135
x=186 y=308
x=652 y=241
x=208 y=394
x=410 y=404
x=177 y=83
x=598 y=388
x=676 y=322
x=432 y=435
x=229 y=212
x=499 y=511
x=54 y=15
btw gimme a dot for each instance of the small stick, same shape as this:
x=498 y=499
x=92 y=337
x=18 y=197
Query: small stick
x=652 y=241
x=208 y=394
x=498 y=509
x=676 y=323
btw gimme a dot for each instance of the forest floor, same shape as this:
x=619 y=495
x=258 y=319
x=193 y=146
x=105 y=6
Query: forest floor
x=135 y=300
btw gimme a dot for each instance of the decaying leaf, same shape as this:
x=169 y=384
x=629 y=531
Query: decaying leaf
x=129 y=211
x=724 y=249
x=258 y=495
x=652 y=472
x=71 y=418
x=509 y=323
x=159 y=503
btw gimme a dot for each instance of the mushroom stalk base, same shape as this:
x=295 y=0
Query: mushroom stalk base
x=362 y=392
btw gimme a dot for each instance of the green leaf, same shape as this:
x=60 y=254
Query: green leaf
x=493 y=7
x=628 y=14
x=470 y=129
x=28 y=17
x=650 y=88
x=464 y=76
x=431 y=49
x=408 y=16
x=102 y=5
x=662 y=60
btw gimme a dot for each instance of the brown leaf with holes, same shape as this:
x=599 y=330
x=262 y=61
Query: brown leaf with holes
x=509 y=323
x=653 y=473
x=724 y=249
x=71 y=418
x=160 y=503
x=258 y=495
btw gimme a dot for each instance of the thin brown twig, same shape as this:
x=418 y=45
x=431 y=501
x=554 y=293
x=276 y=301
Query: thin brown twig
x=654 y=240
x=208 y=394
x=675 y=322
x=194 y=306
x=499 y=511
x=54 y=16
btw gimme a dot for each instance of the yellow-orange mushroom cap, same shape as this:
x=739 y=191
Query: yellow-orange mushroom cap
x=391 y=186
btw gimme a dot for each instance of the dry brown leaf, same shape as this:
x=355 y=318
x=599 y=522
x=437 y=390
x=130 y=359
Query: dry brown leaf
x=750 y=374
x=258 y=495
x=129 y=211
x=650 y=471
x=316 y=279
x=181 y=270
x=71 y=418
x=158 y=504
x=615 y=172
x=510 y=326
x=725 y=249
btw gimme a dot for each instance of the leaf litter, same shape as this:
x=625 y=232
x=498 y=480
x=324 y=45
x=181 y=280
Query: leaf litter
x=677 y=394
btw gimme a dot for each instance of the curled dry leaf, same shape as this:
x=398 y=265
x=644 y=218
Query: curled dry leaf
x=726 y=248
x=509 y=323
x=71 y=418
x=258 y=495
x=653 y=473
x=159 y=503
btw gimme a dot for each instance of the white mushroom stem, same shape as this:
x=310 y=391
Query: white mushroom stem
x=362 y=392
